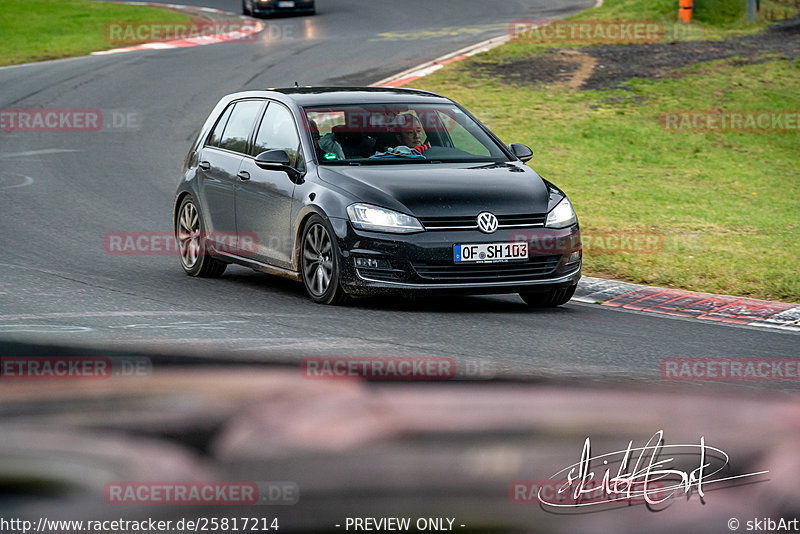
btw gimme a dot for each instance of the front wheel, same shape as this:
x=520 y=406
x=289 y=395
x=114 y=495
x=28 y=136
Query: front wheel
x=549 y=298
x=319 y=263
x=195 y=259
x=246 y=10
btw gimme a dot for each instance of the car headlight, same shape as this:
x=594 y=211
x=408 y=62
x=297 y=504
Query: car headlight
x=561 y=216
x=375 y=219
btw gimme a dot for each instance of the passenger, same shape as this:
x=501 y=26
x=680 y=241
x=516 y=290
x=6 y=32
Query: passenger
x=330 y=147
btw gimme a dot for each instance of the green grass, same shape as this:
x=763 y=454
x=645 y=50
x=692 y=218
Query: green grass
x=36 y=30
x=726 y=203
x=712 y=20
x=715 y=15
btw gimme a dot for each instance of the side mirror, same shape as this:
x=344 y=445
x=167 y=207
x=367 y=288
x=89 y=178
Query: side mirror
x=521 y=151
x=277 y=160
x=272 y=159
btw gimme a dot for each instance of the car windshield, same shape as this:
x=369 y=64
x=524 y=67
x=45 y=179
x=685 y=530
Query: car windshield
x=399 y=133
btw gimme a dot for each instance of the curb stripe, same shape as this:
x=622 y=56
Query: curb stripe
x=690 y=304
x=245 y=31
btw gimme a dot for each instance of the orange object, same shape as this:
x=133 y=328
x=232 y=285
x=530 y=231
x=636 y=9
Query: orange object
x=685 y=10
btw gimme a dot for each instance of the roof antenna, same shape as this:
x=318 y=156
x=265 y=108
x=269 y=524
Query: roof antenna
x=296 y=84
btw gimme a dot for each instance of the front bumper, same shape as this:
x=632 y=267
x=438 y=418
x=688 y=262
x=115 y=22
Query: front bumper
x=423 y=262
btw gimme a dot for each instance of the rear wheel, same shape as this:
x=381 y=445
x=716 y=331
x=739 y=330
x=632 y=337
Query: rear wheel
x=320 y=263
x=246 y=9
x=550 y=298
x=189 y=231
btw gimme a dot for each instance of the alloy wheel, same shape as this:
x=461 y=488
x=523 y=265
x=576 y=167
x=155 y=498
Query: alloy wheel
x=317 y=259
x=189 y=235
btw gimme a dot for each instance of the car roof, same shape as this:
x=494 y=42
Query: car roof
x=320 y=96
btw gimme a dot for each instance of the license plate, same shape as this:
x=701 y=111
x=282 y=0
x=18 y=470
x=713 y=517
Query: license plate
x=490 y=252
x=286 y=3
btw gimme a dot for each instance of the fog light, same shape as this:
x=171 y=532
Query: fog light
x=371 y=263
x=573 y=257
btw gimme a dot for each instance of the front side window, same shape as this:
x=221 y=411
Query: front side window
x=239 y=125
x=216 y=134
x=399 y=133
x=462 y=138
x=277 y=132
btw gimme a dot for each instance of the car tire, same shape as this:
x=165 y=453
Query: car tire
x=550 y=298
x=320 y=263
x=189 y=229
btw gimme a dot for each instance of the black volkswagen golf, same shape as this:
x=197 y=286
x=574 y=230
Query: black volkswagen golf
x=368 y=191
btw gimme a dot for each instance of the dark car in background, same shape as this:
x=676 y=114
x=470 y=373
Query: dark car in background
x=364 y=191
x=258 y=8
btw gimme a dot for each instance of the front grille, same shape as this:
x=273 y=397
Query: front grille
x=470 y=222
x=447 y=271
x=513 y=221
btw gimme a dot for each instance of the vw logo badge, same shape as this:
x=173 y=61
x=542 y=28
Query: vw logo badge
x=487 y=222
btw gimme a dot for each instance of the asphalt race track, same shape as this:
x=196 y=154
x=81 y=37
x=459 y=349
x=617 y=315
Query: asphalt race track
x=61 y=193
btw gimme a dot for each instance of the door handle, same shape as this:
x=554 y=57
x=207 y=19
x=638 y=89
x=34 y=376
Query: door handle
x=243 y=175
x=204 y=165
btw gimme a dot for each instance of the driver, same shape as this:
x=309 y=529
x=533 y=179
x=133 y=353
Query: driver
x=410 y=132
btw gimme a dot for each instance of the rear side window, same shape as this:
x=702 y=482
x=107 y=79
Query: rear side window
x=277 y=132
x=240 y=123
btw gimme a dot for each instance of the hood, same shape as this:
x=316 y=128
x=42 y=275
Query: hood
x=436 y=190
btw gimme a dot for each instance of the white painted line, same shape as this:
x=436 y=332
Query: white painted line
x=37 y=152
x=26 y=180
x=80 y=315
x=43 y=329
x=782 y=327
x=439 y=62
